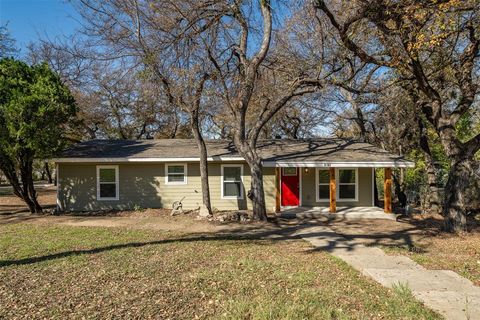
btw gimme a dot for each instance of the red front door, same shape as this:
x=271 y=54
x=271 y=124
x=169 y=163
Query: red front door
x=290 y=187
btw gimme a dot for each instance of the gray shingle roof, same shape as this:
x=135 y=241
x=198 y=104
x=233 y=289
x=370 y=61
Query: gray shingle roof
x=283 y=150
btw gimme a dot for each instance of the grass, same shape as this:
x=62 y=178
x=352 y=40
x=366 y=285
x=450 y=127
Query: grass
x=459 y=253
x=80 y=272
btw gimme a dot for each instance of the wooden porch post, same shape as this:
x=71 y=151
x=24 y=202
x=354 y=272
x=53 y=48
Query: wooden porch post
x=277 y=189
x=333 y=192
x=387 y=188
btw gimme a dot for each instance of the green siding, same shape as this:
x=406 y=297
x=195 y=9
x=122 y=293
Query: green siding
x=364 y=190
x=143 y=185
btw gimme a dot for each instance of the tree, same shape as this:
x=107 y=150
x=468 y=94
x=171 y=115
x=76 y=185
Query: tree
x=149 y=37
x=7 y=43
x=114 y=100
x=35 y=110
x=246 y=63
x=432 y=47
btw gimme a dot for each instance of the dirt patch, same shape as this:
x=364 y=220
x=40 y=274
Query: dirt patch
x=420 y=237
x=143 y=213
x=149 y=219
x=9 y=203
x=14 y=210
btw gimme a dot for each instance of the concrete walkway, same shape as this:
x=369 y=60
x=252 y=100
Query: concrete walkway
x=343 y=213
x=441 y=290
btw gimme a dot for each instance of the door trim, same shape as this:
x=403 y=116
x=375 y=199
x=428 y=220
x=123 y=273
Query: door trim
x=300 y=198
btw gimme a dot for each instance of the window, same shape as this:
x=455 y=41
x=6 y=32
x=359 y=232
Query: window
x=347 y=184
x=323 y=185
x=175 y=174
x=107 y=183
x=289 y=171
x=232 y=181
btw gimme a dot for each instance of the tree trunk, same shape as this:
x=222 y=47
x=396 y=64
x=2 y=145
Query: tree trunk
x=48 y=172
x=25 y=189
x=28 y=189
x=194 y=123
x=454 y=205
x=256 y=192
x=399 y=192
x=433 y=194
x=434 y=201
x=455 y=190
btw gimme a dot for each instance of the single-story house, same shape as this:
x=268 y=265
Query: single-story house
x=125 y=174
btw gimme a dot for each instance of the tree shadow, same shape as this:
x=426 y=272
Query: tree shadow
x=404 y=233
x=239 y=234
x=276 y=230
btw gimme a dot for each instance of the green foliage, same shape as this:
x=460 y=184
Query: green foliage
x=416 y=177
x=35 y=107
x=466 y=128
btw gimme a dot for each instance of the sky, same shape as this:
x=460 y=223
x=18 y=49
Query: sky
x=29 y=20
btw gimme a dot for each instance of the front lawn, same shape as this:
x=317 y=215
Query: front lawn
x=60 y=271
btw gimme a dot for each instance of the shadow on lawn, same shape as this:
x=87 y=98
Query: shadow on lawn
x=238 y=234
x=281 y=230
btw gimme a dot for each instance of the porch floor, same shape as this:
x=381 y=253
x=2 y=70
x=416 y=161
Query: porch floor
x=343 y=213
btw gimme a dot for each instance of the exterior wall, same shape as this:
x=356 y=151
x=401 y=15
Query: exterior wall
x=365 y=187
x=143 y=185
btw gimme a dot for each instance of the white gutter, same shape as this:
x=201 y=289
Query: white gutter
x=311 y=164
x=109 y=160
x=342 y=164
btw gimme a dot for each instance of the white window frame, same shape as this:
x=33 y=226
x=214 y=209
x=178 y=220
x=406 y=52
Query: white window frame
x=117 y=187
x=241 y=178
x=317 y=184
x=337 y=178
x=185 y=180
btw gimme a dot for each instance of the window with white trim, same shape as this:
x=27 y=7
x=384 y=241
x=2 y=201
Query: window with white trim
x=323 y=184
x=232 y=181
x=347 y=184
x=175 y=173
x=107 y=183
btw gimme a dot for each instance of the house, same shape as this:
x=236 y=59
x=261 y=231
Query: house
x=123 y=174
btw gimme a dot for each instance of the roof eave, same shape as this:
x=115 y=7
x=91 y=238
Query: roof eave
x=136 y=160
x=341 y=164
x=333 y=164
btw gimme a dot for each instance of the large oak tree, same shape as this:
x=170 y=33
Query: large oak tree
x=432 y=47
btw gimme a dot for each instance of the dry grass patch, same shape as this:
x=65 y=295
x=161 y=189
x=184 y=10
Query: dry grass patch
x=420 y=238
x=80 y=272
x=11 y=203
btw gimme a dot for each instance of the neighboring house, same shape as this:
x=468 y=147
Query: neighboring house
x=123 y=174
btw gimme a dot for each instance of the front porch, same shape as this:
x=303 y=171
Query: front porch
x=342 y=213
x=334 y=189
